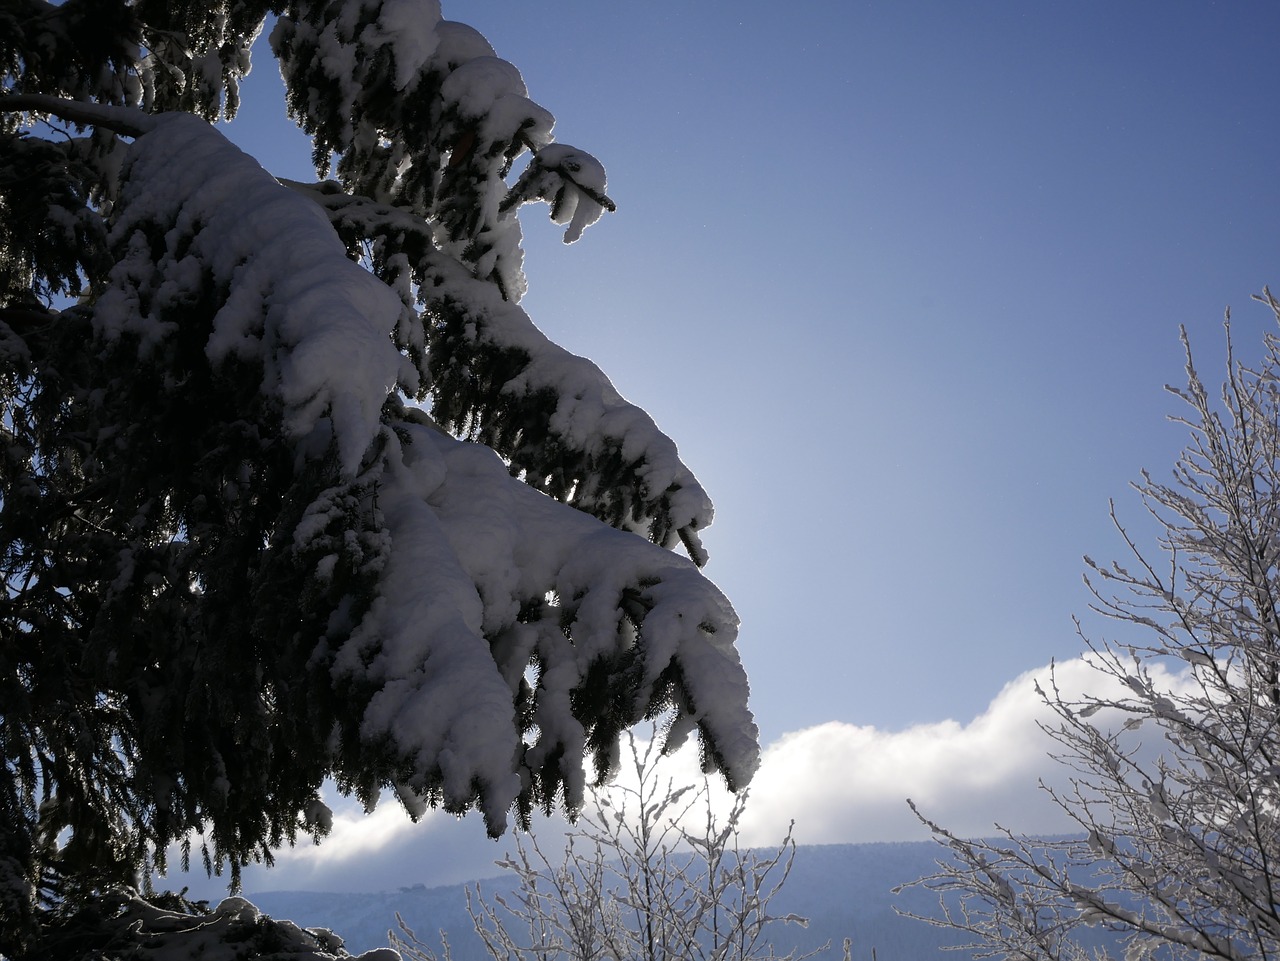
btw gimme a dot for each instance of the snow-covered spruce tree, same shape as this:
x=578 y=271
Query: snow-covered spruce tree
x=649 y=873
x=1173 y=783
x=292 y=488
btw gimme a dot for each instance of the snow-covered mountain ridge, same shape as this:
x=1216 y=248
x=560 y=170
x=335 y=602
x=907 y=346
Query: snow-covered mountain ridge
x=844 y=889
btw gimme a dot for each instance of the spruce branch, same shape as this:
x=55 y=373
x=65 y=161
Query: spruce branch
x=125 y=121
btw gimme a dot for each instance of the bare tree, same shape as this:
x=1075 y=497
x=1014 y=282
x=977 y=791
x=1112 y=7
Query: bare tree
x=648 y=873
x=1174 y=779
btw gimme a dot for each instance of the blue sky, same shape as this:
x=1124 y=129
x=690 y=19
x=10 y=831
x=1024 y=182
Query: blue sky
x=904 y=281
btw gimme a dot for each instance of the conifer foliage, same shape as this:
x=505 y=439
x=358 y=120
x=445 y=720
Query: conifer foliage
x=292 y=487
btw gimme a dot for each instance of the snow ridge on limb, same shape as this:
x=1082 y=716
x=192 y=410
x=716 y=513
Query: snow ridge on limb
x=320 y=330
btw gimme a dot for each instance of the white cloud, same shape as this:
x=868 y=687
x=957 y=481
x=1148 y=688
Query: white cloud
x=839 y=782
x=849 y=783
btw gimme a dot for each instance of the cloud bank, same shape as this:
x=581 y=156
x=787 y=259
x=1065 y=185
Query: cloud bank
x=839 y=782
x=845 y=783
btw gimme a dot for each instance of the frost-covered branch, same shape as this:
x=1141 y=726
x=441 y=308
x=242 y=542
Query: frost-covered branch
x=1172 y=776
x=650 y=873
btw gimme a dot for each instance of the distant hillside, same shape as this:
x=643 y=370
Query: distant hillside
x=844 y=889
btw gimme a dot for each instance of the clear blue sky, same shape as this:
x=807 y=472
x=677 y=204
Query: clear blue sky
x=903 y=281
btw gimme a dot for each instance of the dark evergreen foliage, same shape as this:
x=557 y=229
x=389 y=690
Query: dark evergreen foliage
x=198 y=564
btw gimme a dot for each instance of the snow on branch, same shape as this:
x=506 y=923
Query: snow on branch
x=216 y=466
x=125 y=121
x=318 y=323
x=432 y=121
x=554 y=415
x=472 y=553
